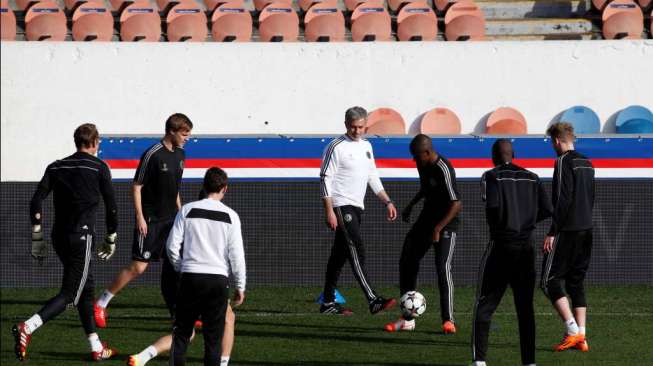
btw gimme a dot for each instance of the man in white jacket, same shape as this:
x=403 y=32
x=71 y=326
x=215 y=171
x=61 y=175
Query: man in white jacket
x=212 y=245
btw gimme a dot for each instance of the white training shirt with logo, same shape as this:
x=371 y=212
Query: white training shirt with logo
x=347 y=169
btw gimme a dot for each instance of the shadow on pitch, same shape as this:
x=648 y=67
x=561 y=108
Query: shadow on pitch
x=339 y=363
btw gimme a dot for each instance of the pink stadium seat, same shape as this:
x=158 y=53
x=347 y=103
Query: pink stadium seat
x=231 y=22
x=388 y=120
x=370 y=22
x=396 y=5
x=278 y=22
x=92 y=21
x=386 y=128
x=24 y=4
x=307 y=4
x=645 y=4
x=622 y=19
x=120 y=5
x=260 y=4
x=417 y=22
x=351 y=5
x=464 y=21
x=440 y=121
x=441 y=5
x=8 y=22
x=166 y=5
x=186 y=22
x=324 y=23
x=140 y=21
x=211 y=5
x=506 y=121
x=44 y=21
x=600 y=4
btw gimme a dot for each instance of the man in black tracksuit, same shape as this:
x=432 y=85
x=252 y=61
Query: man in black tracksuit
x=78 y=181
x=568 y=245
x=514 y=202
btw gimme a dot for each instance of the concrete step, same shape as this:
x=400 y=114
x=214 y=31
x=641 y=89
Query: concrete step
x=510 y=27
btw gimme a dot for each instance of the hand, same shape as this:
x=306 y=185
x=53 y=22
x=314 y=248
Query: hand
x=142 y=225
x=392 y=211
x=39 y=248
x=548 y=244
x=239 y=297
x=331 y=220
x=105 y=252
x=405 y=214
x=436 y=234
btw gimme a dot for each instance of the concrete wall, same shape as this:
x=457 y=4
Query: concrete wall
x=303 y=88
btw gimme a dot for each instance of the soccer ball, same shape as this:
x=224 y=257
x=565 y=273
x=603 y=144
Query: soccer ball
x=413 y=304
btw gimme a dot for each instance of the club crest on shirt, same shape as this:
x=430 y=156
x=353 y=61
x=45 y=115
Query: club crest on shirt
x=348 y=218
x=146 y=255
x=164 y=168
x=369 y=154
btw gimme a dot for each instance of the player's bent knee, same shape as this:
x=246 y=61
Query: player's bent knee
x=137 y=268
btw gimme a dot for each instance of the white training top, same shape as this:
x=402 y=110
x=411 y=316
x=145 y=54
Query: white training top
x=212 y=241
x=347 y=168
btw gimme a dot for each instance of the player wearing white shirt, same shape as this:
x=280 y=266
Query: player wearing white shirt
x=347 y=169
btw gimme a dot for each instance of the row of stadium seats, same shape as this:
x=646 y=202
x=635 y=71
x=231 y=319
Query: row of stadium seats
x=508 y=121
x=275 y=20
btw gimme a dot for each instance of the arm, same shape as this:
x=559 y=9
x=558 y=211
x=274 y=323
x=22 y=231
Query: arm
x=327 y=173
x=178 y=202
x=455 y=206
x=375 y=184
x=490 y=195
x=175 y=238
x=138 y=207
x=563 y=173
x=405 y=214
x=36 y=204
x=143 y=173
x=237 y=261
x=109 y=197
x=544 y=209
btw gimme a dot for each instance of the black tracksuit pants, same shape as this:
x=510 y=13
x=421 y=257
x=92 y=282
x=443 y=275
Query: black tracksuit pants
x=347 y=245
x=200 y=295
x=77 y=287
x=505 y=264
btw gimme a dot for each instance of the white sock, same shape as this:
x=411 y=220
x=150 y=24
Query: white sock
x=411 y=321
x=572 y=327
x=33 y=323
x=581 y=330
x=104 y=299
x=94 y=341
x=478 y=363
x=530 y=364
x=147 y=354
x=224 y=361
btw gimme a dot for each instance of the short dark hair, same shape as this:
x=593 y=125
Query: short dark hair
x=178 y=121
x=561 y=131
x=421 y=141
x=502 y=151
x=355 y=113
x=214 y=180
x=86 y=135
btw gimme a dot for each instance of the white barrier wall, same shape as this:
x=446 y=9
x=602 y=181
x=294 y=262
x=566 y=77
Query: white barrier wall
x=302 y=88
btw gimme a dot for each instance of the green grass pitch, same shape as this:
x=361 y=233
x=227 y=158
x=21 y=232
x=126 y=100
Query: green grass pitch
x=281 y=326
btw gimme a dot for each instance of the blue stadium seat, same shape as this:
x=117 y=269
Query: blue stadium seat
x=635 y=119
x=583 y=119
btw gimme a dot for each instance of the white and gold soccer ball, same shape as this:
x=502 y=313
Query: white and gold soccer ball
x=413 y=304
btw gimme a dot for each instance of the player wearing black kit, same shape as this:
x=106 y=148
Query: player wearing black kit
x=568 y=245
x=435 y=227
x=514 y=202
x=77 y=183
x=156 y=201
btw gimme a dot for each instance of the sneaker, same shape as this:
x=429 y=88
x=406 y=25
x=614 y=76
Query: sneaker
x=569 y=341
x=380 y=304
x=400 y=325
x=105 y=354
x=582 y=346
x=133 y=361
x=21 y=339
x=101 y=316
x=448 y=327
x=335 y=309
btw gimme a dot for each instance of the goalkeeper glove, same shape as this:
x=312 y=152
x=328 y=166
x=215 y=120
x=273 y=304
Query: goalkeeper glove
x=108 y=247
x=39 y=248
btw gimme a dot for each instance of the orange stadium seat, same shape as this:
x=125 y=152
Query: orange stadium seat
x=440 y=121
x=600 y=4
x=211 y=5
x=8 y=22
x=351 y=5
x=307 y=4
x=324 y=23
x=386 y=128
x=622 y=19
x=120 y=5
x=645 y=4
x=464 y=21
x=442 y=5
x=186 y=21
x=44 y=21
x=261 y=4
x=417 y=22
x=278 y=22
x=385 y=121
x=24 y=4
x=92 y=21
x=231 y=22
x=166 y=5
x=396 y=5
x=370 y=22
x=140 y=21
x=506 y=121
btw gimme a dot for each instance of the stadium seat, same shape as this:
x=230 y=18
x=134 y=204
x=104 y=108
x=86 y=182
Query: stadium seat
x=324 y=23
x=370 y=22
x=278 y=22
x=261 y=4
x=72 y=4
x=211 y=5
x=635 y=119
x=140 y=21
x=231 y=22
x=351 y=5
x=622 y=19
x=120 y=5
x=8 y=22
x=166 y=5
x=396 y=5
x=92 y=21
x=442 y=5
x=24 y=4
x=583 y=119
x=464 y=21
x=506 y=121
x=186 y=22
x=385 y=121
x=440 y=121
x=307 y=4
x=417 y=22
x=44 y=21
x=645 y=4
